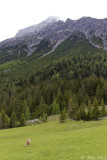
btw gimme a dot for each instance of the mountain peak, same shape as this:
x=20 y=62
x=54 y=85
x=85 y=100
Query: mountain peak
x=37 y=27
x=51 y=18
x=56 y=31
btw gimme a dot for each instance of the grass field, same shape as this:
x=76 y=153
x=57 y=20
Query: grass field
x=53 y=141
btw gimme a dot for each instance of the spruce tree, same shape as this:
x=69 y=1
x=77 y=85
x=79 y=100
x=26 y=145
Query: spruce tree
x=2 y=119
x=44 y=117
x=27 y=113
x=72 y=109
x=24 y=106
x=25 y=110
x=42 y=107
x=55 y=108
x=59 y=98
x=96 y=112
x=7 y=121
x=22 y=120
x=99 y=94
x=63 y=116
x=13 y=120
x=83 y=113
x=89 y=116
x=103 y=107
x=78 y=115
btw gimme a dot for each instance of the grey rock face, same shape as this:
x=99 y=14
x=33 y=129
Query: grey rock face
x=56 y=30
x=37 y=27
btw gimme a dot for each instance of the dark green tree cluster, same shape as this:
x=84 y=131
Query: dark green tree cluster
x=4 y=120
x=87 y=112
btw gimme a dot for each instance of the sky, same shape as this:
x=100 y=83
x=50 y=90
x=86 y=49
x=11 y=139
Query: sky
x=19 y=14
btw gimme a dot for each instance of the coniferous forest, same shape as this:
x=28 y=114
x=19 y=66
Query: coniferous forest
x=76 y=85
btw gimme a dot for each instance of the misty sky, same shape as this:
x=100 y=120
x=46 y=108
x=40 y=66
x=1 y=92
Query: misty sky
x=18 y=14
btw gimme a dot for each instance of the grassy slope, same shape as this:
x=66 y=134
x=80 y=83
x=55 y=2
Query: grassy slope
x=54 y=141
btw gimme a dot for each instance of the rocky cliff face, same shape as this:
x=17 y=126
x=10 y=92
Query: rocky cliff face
x=56 y=30
x=37 y=27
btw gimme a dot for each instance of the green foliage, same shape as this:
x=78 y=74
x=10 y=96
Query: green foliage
x=99 y=94
x=22 y=120
x=55 y=77
x=7 y=122
x=55 y=108
x=103 y=108
x=97 y=40
x=78 y=115
x=32 y=87
x=24 y=106
x=27 y=113
x=43 y=45
x=72 y=109
x=4 y=120
x=25 y=110
x=17 y=51
x=12 y=64
x=83 y=113
x=13 y=120
x=89 y=112
x=42 y=107
x=44 y=117
x=96 y=112
x=63 y=116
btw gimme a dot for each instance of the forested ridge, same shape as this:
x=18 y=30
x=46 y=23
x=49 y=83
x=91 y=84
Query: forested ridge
x=77 y=85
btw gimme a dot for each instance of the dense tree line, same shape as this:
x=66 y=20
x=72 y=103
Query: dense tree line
x=76 y=85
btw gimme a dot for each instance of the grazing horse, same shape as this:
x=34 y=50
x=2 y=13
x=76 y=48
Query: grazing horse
x=28 y=142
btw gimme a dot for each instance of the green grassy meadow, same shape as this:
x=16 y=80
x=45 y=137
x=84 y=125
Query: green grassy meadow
x=53 y=141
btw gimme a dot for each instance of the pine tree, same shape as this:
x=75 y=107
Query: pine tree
x=59 y=98
x=55 y=108
x=83 y=113
x=22 y=120
x=96 y=112
x=24 y=106
x=27 y=113
x=25 y=110
x=72 y=109
x=2 y=120
x=63 y=116
x=44 y=117
x=42 y=107
x=103 y=107
x=99 y=94
x=7 y=121
x=78 y=115
x=89 y=116
x=13 y=120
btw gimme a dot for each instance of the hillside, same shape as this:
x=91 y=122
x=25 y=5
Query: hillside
x=73 y=46
x=69 y=141
x=75 y=70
